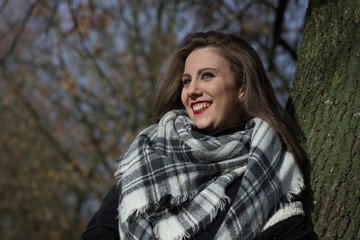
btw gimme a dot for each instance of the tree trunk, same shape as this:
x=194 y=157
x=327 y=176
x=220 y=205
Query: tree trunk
x=325 y=101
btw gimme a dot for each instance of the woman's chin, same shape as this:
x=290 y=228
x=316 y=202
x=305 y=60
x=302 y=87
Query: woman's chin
x=204 y=129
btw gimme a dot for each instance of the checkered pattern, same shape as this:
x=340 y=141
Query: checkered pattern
x=172 y=180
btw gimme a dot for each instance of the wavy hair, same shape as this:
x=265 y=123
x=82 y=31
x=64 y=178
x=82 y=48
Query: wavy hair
x=258 y=99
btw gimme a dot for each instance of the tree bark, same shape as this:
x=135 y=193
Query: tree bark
x=325 y=101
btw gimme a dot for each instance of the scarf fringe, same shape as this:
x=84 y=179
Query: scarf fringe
x=296 y=188
x=193 y=231
x=291 y=178
x=183 y=198
x=154 y=206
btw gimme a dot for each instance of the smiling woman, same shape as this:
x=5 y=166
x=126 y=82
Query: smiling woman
x=221 y=162
x=258 y=98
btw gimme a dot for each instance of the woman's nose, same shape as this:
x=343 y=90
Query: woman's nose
x=194 y=90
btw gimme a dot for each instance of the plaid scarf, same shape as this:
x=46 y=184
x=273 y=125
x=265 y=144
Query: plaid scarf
x=172 y=180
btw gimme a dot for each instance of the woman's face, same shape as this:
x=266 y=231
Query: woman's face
x=210 y=94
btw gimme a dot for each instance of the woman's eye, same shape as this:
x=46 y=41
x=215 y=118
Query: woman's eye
x=207 y=75
x=186 y=81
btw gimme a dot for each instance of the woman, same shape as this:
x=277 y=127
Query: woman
x=221 y=162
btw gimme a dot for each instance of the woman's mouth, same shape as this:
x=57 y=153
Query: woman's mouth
x=200 y=107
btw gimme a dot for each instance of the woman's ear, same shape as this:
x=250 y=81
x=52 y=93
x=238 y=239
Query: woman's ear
x=241 y=93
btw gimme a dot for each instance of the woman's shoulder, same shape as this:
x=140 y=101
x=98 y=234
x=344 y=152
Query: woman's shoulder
x=294 y=228
x=103 y=224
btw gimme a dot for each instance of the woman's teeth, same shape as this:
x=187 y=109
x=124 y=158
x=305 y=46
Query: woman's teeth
x=200 y=106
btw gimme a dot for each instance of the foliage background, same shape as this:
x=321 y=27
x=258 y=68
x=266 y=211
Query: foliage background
x=77 y=82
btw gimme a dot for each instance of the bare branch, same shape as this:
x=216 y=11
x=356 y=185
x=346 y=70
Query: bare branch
x=3 y=5
x=290 y=50
x=277 y=31
x=53 y=15
x=18 y=34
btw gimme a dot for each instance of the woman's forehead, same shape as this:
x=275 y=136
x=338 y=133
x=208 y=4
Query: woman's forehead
x=205 y=57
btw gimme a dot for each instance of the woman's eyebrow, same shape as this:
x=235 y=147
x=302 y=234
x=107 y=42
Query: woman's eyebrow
x=186 y=75
x=206 y=69
x=201 y=71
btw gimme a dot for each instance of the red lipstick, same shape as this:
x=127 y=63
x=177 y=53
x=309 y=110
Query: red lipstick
x=200 y=106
